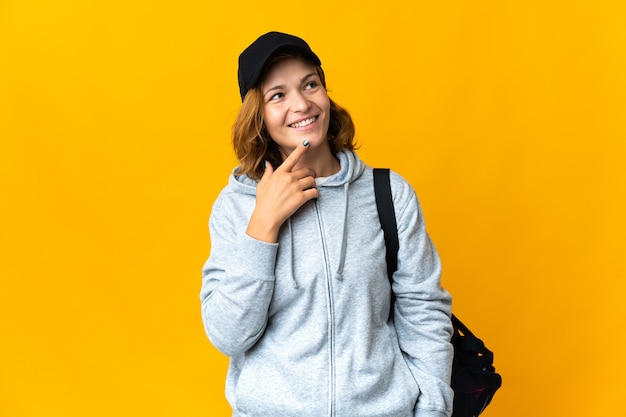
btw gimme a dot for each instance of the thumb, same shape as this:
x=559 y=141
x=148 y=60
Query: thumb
x=269 y=170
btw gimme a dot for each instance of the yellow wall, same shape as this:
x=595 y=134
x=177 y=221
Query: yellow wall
x=508 y=117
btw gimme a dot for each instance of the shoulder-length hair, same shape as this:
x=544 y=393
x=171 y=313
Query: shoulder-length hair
x=252 y=143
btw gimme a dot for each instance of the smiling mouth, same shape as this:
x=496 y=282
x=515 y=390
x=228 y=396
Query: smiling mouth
x=304 y=122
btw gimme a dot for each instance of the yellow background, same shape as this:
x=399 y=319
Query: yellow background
x=508 y=117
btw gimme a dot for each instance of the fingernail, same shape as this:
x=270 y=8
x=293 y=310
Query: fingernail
x=305 y=143
x=265 y=164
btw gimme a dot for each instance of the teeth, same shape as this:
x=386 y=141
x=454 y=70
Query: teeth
x=304 y=122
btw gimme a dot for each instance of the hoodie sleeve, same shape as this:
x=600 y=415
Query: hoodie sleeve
x=237 y=283
x=423 y=308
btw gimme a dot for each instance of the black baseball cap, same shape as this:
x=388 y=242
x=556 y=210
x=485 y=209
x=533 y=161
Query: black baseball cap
x=252 y=60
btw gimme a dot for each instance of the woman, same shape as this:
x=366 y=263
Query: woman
x=295 y=289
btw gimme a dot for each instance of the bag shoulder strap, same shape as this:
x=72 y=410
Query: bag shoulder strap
x=387 y=216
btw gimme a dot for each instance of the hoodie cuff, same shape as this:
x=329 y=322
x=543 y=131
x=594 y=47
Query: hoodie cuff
x=256 y=258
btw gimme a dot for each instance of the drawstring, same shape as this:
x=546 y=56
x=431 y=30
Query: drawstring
x=293 y=277
x=344 y=238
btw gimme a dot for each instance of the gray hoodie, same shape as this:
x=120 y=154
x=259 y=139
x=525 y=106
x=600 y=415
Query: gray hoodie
x=305 y=320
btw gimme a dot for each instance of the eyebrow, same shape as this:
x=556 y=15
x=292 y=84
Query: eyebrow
x=282 y=86
x=308 y=76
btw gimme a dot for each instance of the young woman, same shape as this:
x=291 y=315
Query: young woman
x=295 y=289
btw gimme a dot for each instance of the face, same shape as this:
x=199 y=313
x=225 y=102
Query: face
x=295 y=105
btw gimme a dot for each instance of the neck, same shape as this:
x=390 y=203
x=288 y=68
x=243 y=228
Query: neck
x=327 y=168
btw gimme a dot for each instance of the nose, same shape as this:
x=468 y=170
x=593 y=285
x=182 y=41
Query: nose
x=299 y=102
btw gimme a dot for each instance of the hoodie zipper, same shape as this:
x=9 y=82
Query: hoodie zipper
x=331 y=317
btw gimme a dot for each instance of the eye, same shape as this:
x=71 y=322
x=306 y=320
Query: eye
x=311 y=85
x=276 y=96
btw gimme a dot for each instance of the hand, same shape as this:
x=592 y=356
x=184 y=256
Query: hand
x=279 y=194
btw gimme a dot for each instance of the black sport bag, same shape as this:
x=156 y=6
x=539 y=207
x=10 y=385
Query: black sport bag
x=474 y=378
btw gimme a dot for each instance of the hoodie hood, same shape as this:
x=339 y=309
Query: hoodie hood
x=351 y=169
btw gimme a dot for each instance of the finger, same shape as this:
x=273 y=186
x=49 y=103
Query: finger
x=294 y=157
x=310 y=193
x=303 y=173
x=307 y=183
x=269 y=169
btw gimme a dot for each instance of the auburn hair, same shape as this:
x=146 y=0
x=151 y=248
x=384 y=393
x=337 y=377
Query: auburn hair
x=252 y=143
